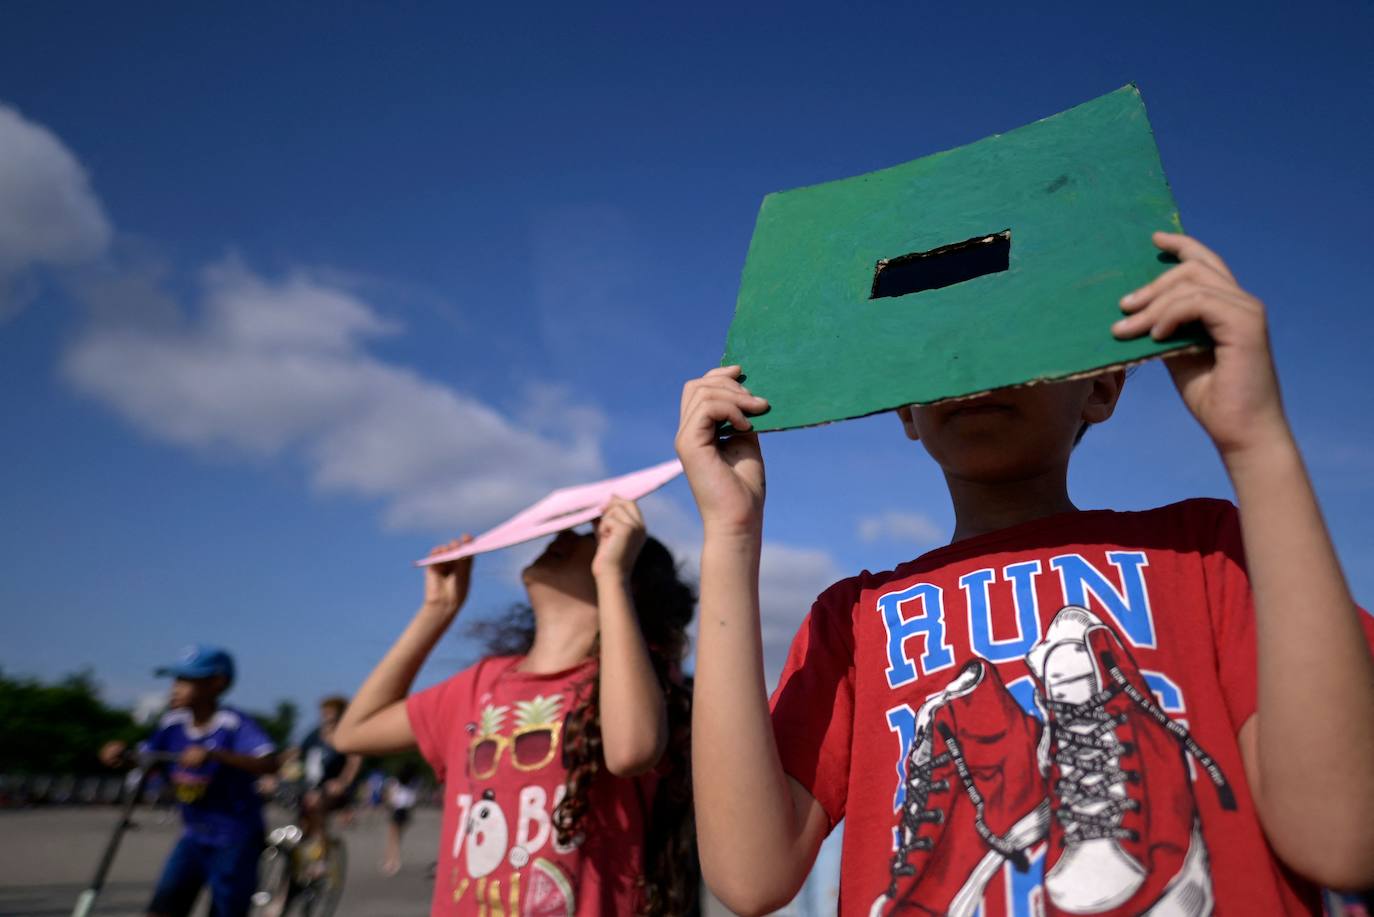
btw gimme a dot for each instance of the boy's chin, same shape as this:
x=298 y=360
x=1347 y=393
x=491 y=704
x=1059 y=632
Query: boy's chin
x=996 y=459
x=992 y=469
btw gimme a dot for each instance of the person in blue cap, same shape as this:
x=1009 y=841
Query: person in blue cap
x=219 y=754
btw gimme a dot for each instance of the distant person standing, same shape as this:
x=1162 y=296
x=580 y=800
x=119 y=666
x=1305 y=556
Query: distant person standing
x=328 y=776
x=376 y=786
x=220 y=753
x=401 y=796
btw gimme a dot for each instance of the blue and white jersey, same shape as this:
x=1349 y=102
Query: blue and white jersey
x=218 y=802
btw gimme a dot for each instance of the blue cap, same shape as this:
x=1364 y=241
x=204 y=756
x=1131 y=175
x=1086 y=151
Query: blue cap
x=200 y=661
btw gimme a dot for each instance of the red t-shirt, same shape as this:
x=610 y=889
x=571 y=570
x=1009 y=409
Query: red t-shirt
x=1041 y=720
x=493 y=736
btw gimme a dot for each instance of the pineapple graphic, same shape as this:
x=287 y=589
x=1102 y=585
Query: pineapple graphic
x=491 y=721
x=485 y=748
x=534 y=742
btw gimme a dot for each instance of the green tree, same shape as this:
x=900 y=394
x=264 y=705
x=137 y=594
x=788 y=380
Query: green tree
x=280 y=723
x=58 y=727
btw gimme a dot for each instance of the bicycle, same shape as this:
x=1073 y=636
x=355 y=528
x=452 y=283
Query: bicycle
x=143 y=762
x=290 y=883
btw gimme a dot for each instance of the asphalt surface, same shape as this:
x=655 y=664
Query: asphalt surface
x=48 y=855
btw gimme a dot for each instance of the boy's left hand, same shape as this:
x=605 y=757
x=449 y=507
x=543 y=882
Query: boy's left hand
x=1231 y=389
x=193 y=756
x=619 y=536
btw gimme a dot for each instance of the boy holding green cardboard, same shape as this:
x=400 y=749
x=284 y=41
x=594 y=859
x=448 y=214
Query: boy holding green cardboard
x=1168 y=711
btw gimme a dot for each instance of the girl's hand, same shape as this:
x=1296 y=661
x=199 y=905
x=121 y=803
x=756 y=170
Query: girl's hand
x=1231 y=389
x=726 y=475
x=112 y=753
x=446 y=585
x=619 y=536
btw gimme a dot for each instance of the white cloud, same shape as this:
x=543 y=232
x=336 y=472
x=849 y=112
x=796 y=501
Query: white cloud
x=790 y=578
x=271 y=367
x=265 y=367
x=676 y=525
x=48 y=213
x=549 y=408
x=911 y=528
x=148 y=706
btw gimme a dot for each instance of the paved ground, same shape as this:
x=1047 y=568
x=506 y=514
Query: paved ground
x=48 y=855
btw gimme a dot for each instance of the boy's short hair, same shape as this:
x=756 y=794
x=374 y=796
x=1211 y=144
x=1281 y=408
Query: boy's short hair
x=336 y=702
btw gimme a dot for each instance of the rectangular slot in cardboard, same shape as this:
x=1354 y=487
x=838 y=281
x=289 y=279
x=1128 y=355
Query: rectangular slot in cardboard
x=943 y=266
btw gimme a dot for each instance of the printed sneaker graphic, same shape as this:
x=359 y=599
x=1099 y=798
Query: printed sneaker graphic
x=971 y=774
x=1125 y=832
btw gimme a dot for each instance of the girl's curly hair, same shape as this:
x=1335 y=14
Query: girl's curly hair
x=664 y=605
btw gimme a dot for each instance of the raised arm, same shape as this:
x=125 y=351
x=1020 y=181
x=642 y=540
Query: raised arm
x=758 y=830
x=376 y=722
x=1315 y=708
x=261 y=765
x=353 y=765
x=634 y=717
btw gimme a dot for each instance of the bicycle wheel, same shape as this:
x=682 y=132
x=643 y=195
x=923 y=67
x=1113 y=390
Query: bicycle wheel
x=321 y=897
x=274 y=883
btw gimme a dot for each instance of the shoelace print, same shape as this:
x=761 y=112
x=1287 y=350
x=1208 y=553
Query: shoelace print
x=1003 y=846
x=1088 y=759
x=1224 y=794
x=916 y=811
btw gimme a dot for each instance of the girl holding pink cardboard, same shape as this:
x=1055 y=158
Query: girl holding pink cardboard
x=564 y=752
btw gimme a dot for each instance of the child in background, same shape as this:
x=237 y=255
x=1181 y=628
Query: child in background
x=221 y=752
x=564 y=754
x=328 y=777
x=1076 y=712
x=401 y=796
x=376 y=785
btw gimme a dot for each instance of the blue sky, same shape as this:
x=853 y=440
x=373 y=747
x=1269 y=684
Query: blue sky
x=288 y=294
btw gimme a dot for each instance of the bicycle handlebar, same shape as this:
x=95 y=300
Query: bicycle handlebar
x=146 y=759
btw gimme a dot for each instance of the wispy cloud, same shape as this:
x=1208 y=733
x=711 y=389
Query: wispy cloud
x=281 y=368
x=909 y=528
x=48 y=212
x=269 y=367
x=790 y=576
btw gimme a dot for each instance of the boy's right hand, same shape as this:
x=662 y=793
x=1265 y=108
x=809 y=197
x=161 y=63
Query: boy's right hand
x=112 y=753
x=726 y=475
x=446 y=585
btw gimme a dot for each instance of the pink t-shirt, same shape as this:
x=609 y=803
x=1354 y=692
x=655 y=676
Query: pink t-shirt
x=1042 y=720
x=493 y=735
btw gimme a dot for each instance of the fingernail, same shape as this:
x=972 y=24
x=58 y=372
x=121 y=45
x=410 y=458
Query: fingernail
x=1128 y=298
x=1120 y=326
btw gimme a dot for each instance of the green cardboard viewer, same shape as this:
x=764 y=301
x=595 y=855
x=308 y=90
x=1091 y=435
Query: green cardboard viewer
x=994 y=264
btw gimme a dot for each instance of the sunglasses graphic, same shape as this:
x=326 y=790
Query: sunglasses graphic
x=531 y=748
